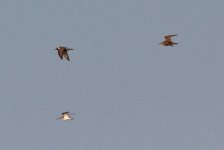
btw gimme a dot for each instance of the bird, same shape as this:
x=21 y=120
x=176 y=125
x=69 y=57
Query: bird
x=62 y=51
x=168 y=41
x=65 y=116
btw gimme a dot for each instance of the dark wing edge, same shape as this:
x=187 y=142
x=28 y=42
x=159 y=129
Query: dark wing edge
x=67 y=112
x=65 y=53
x=60 y=54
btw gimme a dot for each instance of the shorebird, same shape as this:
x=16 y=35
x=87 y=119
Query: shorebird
x=62 y=51
x=168 y=41
x=65 y=116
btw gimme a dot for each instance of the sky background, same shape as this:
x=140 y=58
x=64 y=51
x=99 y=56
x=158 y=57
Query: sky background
x=128 y=92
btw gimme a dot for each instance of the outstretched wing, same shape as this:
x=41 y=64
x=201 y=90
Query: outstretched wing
x=65 y=53
x=67 y=112
x=68 y=48
x=59 y=117
x=168 y=37
x=60 y=53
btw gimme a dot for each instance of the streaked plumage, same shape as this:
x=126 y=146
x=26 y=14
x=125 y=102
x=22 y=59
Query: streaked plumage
x=168 y=41
x=63 y=51
x=65 y=116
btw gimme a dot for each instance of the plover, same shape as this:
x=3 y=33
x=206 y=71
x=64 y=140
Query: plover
x=62 y=51
x=168 y=41
x=65 y=116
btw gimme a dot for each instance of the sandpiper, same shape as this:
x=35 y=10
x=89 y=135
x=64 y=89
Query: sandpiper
x=65 y=116
x=168 y=41
x=62 y=51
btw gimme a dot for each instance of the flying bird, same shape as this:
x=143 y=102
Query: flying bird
x=65 y=116
x=62 y=51
x=168 y=41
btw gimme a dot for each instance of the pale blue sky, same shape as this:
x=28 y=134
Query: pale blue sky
x=128 y=92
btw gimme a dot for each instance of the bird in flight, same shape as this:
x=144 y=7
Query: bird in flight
x=168 y=41
x=62 y=51
x=65 y=116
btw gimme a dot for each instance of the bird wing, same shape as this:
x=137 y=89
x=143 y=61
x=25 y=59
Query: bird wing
x=67 y=112
x=68 y=48
x=168 y=37
x=66 y=55
x=60 y=53
x=60 y=117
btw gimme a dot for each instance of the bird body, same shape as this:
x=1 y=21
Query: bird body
x=65 y=116
x=168 y=41
x=63 y=52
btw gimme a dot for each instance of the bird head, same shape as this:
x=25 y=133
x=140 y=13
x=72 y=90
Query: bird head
x=57 y=48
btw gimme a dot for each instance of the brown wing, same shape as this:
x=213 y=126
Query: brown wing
x=60 y=53
x=168 y=37
x=68 y=49
x=66 y=55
